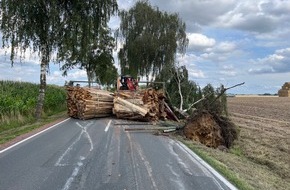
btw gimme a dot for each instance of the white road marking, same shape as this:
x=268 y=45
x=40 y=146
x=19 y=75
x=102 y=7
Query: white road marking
x=176 y=179
x=33 y=136
x=60 y=159
x=80 y=162
x=108 y=125
x=84 y=129
x=58 y=162
x=180 y=162
x=73 y=175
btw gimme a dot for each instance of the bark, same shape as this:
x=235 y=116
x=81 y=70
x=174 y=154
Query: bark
x=131 y=107
x=42 y=86
x=180 y=93
x=89 y=75
x=178 y=81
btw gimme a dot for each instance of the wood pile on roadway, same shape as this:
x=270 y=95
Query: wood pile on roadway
x=148 y=105
x=144 y=105
x=87 y=103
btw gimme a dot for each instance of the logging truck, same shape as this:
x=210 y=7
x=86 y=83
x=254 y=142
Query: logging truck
x=127 y=82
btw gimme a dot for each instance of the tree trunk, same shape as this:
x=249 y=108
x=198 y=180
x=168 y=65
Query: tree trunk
x=42 y=87
x=89 y=78
x=178 y=81
x=180 y=94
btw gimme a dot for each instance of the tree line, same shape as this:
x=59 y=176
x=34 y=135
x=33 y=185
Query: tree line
x=77 y=32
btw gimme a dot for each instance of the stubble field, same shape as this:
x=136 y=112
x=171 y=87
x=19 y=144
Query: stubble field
x=264 y=139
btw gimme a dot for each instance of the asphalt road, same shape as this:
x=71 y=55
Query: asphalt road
x=96 y=154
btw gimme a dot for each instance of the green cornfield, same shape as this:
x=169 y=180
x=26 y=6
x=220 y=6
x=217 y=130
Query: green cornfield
x=18 y=102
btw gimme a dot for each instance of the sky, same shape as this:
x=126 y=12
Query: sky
x=230 y=42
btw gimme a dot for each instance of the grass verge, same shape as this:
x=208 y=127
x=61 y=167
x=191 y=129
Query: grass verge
x=217 y=165
x=240 y=169
x=11 y=133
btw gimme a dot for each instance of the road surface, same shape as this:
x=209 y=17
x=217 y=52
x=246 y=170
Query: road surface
x=96 y=154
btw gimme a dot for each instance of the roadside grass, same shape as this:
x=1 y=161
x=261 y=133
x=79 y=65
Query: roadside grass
x=218 y=165
x=241 y=169
x=17 y=107
x=11 y=133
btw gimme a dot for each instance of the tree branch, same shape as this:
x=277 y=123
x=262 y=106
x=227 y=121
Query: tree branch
x=225 y=89
x=222 y=92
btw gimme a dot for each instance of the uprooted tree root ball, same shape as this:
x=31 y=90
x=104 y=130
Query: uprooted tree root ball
x=210 y=129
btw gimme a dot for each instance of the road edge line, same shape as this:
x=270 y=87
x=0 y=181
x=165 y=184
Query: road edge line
x=207 y=166
x=26 y=139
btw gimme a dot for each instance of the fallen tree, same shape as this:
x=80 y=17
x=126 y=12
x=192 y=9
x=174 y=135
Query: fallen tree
x=208 y=124
x=210 y=129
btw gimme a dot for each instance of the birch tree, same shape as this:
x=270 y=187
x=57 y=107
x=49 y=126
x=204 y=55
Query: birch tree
x=179 y=89
x=151 y=39
x=68 y=27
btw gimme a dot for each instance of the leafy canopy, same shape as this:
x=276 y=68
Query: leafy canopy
x=85 y=32
x=68 y=26
x=178 y=75
x=151 y=39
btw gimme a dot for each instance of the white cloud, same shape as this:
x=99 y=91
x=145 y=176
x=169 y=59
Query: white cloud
x=221 y=52
x=196 y=13
x=199 y=42
x=225 y=47
x=187 y=59
x=190 y=61
x=228 y=70
x=259 y=17
x=20 y=71
x=56 y=76
x=77 y=74
x=195 y=73
x=279 y=62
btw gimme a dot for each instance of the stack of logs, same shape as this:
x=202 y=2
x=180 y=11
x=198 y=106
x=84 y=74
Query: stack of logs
x=87 y=103
x=145 y=105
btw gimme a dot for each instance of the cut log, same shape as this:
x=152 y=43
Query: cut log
x=145 y=105
x=87 y=103
x=170 y=112
x=131 y=107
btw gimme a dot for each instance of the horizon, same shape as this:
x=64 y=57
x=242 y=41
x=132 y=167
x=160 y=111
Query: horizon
x=230 y=43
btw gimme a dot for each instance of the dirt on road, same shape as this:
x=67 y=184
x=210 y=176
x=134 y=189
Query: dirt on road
x=264 y=138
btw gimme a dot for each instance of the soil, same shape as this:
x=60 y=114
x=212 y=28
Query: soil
x=205 y=129
x=264 y=138
x=210 y=129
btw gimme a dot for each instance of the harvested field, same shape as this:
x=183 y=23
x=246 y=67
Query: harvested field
x=264 y=139
x=277 y=108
